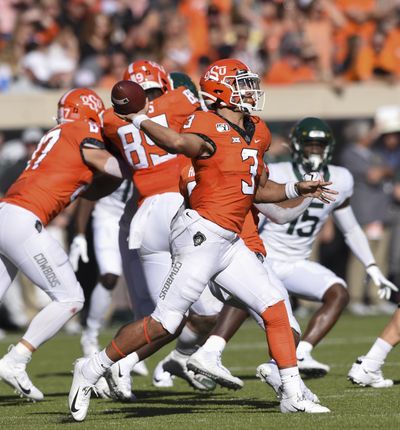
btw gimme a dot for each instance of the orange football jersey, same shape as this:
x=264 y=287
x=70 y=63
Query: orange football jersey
x=56 y=174
x=155 y=171
x=226 y=182
x=249 y=232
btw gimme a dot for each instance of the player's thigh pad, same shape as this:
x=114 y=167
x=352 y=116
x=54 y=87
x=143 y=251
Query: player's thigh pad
x=200 y=250
x=28 y=245
x=156 y=267
x=106 y=247
x=305 y=279
x=246 y=279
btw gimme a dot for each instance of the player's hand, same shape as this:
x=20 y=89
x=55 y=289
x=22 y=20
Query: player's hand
x=130 y=117
x=317 y=189
x=78 y=249
x=385 y=286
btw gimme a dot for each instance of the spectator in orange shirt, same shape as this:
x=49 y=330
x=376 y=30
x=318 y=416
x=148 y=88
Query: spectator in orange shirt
x=295 y=66
x=374 y=60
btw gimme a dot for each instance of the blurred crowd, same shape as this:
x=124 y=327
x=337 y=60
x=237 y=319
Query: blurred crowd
x=64 y=43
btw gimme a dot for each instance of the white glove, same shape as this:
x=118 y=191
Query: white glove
x=77 y=250
x=384 y=285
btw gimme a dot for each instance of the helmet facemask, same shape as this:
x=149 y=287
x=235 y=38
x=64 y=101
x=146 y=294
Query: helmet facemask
x=245 y=85
x=312 y=162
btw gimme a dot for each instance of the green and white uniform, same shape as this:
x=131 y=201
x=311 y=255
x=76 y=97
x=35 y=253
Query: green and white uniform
x=289 y=245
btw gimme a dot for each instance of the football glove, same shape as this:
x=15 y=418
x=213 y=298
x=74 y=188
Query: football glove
x=385 y=287
x=78 y=249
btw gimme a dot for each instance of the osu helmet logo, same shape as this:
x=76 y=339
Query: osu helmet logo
x=215 y=73
x=93 y=102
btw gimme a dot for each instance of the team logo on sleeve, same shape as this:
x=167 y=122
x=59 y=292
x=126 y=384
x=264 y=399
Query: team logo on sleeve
x=222 y=127
x=198 y=238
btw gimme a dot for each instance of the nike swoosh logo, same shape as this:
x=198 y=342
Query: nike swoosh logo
x=24 y=390
x=119 y=371
x=299 y=409
x=73 y=408
x=258 y=140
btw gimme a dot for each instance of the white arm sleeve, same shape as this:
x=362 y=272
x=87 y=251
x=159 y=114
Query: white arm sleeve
x=280 y=215
x=353 y=235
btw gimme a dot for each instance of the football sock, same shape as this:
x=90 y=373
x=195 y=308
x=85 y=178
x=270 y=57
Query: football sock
x=214 y=344
x=276 y=371
x=303 y=348
x=99 y=303
x=20 y=353
x=96 y=366
x=377 y=354
x=126 y=364
x=49 y=321
x=291 y=381
x=188 y=341
x=279 y=335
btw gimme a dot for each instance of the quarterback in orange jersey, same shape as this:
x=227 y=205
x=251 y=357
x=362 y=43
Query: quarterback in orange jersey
x=226 y=146
x=61 y=168
x=145 y=225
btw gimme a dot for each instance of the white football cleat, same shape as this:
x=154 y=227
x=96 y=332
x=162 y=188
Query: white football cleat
x=102 y=389
x=269 y=374
x=360 y=375
x=14 y=374
x=161 y=378
x=80 y=392
x=90 y=344
x=310 y=367
x=295 y=404
x=175 y=364
x=120 y=384
x=209 y=364
x=140 y=369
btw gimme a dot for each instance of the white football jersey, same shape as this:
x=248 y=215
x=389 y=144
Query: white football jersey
x=114 y=203
x=293 y=241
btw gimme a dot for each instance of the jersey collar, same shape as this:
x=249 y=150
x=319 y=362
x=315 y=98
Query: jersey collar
x=249 y=127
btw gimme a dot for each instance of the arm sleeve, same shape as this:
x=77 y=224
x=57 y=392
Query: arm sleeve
x=280 y=215
x=353 y=235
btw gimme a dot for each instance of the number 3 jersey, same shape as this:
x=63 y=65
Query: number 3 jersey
x=227 y=180
x=155 y=171
x=56 y=174
x=293 y=241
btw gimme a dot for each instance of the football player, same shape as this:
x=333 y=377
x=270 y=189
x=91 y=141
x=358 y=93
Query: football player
x=289 y=246
x=145 y=225
x=62 y=167
x=226 y=145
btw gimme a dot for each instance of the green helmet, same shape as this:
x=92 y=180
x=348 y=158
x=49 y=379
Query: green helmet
x=311 y=129
x=180 y=79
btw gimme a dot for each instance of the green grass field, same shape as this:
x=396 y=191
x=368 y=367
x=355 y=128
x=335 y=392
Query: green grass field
x=253 y=407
